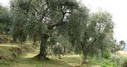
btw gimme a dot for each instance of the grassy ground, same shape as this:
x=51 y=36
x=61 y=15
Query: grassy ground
x=35 y=63
x=27 y=60
x=66 y=61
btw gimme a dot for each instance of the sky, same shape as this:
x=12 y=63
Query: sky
x=4 y=2
x=117 y=8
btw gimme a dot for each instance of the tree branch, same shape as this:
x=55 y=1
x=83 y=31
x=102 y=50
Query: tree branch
x=50 y=26
x=43 y=14
x=37 y=12
x=34 y=8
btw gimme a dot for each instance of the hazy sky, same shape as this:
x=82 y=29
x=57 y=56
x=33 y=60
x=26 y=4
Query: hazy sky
x=4 y=2
x=118 y=9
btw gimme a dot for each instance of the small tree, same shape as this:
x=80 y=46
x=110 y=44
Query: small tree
x=98 y=35
x=122 y=45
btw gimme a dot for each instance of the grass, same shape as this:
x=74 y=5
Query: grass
x=27 y=60
x=64 y=62
x=6 y=52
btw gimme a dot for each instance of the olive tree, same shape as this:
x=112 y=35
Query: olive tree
x=47 y=20
x=46 y=16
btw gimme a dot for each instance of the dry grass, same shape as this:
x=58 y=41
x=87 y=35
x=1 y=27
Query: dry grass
x=122 y=53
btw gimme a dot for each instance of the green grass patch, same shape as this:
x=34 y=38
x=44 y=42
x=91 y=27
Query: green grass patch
x=36 y=63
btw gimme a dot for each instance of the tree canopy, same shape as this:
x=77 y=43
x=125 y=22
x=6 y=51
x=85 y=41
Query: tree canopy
x=5 y=20
x=50 y=22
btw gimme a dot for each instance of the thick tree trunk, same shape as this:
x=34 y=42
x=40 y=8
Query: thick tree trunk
x=43 y=45
x=84 y=57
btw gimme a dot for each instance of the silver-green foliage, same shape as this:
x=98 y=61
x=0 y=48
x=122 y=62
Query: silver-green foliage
x=4 y=20
x=46 y=20
x=118 y=60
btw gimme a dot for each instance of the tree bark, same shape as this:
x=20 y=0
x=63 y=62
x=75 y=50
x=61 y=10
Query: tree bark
x=43 y=45
x=84 y=57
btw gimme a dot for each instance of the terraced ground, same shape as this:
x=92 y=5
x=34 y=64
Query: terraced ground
x=27 y=60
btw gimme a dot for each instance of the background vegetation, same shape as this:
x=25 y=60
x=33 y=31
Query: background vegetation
x=34 y=33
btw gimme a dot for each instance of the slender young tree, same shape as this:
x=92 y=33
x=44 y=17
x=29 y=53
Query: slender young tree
x=122 y=45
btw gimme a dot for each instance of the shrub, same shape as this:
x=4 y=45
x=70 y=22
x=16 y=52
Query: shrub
x=117 y=60
x=106 y=54
x=124 y=64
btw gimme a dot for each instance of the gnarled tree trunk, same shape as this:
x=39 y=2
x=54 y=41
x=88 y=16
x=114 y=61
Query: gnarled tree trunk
x=84 y=58
x=42 y=54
